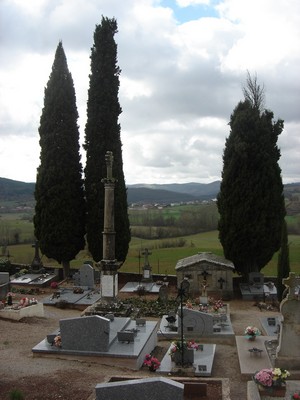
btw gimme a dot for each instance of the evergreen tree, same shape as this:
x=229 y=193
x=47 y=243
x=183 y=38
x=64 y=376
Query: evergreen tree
x=283 y=266
x=102 y=134
x=251 y=201
x=59 y=219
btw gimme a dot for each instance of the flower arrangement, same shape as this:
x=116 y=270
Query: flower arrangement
x=252 y=331
x=217 y=305
x=177 y=346
x=189 y=304
x=57 y=341
x=54 y=285
x=151 y=362
x=268 y=377
x=295 y=396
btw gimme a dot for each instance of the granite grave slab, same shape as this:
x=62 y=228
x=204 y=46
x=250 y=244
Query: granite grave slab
x=147 y=388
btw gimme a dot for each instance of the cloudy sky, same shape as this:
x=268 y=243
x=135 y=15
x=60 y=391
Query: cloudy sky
x=183 y=62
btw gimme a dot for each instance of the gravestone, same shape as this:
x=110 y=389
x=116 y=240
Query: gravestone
x=4 y=284
x=86 y=276
x=85 y=333
x=288 y=351
x=195 y=322
x=163 y=294
x=147 y=388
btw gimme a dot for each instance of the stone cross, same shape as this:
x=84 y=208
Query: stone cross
x=146 y=253
x=221 y=282
x=291 y=282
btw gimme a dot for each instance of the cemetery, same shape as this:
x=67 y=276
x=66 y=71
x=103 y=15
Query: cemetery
x=188 y=346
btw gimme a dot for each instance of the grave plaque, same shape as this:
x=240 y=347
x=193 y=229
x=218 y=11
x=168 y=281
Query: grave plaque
x=107 y=285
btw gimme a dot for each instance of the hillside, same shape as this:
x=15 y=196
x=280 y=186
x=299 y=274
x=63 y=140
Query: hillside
x=15 y=191
x=21 y=192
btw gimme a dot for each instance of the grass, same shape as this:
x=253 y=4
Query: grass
x=163 y=260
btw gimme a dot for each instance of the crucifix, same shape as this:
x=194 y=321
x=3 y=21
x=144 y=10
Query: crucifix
x=146 y=268
x=183 y=292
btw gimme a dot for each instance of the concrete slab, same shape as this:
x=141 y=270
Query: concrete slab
x=250 y=362
x=87 y=298
x=35 y=279
x=202 y=359
x=131 y=287
x=225 y=330
x=271 y=330
x=130 y=355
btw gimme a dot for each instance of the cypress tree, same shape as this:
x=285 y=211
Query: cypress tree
x=251 y=201
x=102 y=134
x=283 y=266
x=59 y=220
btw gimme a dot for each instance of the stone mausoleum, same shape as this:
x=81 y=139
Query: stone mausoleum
x=208 y=274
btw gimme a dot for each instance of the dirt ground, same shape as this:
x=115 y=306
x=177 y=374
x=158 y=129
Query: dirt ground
x=53 y=379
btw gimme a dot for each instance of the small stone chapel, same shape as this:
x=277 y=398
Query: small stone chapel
x=208 y=274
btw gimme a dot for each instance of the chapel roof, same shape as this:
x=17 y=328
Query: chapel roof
x=204 y=257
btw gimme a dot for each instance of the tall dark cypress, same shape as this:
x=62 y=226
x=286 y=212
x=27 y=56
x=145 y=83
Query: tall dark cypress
x=251 y=201
x=102 y=134
x=59 y=220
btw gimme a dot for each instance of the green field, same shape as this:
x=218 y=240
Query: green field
x=163 y=260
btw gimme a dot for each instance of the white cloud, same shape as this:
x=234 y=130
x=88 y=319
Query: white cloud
x=180 y=81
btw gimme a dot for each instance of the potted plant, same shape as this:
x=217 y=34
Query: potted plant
x=271 y=381
x=183 y=349
x=151 y=362
x=251 y=332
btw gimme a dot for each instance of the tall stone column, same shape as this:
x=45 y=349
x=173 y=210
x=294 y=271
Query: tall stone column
x=109 y=265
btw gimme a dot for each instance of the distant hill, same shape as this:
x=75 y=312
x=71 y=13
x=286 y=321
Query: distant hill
x=197 y=190
x=16 y=191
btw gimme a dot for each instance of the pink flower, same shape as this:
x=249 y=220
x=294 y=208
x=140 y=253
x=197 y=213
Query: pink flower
x=264 y=377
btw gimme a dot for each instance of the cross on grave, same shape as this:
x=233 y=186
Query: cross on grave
x=183 y=291
x=291 y=283
x=221 y=281
x=205 y=275
x=146 y=253
x=146 y=267
x=36 y=262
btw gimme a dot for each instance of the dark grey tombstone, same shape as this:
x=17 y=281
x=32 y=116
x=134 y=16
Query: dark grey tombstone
x=149 y=388
x=85 y=333
x=76 y=279
x=163 y=294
